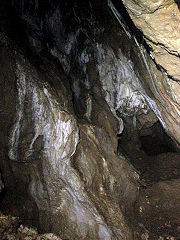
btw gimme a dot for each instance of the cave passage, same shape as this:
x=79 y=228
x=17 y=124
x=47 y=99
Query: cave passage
x=156 y=141
x=142 y=146
x=70 y=74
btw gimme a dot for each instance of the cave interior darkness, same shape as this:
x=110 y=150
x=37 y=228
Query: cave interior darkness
x=140 y=146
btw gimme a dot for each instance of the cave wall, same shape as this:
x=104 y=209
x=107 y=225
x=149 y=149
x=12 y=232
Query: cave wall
x=59 y=158
x=159 y=23
x=70 y=74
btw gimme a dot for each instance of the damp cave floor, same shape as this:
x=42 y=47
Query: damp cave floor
x=157 y=208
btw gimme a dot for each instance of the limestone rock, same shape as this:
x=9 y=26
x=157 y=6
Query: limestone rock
x=60 y=184
x=66 y=89
x=145 y=121
x=160 y=23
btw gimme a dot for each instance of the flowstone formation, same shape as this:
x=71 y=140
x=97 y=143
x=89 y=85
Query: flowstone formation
x=80 y=107
x=65 y=173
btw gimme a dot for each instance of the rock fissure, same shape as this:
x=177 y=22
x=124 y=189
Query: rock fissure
x=175 y=53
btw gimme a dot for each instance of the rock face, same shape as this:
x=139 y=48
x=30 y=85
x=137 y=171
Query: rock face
x=61 y=164
x=43 y=139
x=160 y=23
x=71 y=78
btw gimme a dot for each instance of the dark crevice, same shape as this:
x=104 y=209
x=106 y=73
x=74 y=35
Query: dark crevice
x=3 y=191
x=128 y=21
x=13 y=26
x=137 y=33
x=140 y=145
x=152 y=146
x=156 y=141
x=178 y=3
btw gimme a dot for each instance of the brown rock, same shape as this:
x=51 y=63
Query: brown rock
x=160 y=23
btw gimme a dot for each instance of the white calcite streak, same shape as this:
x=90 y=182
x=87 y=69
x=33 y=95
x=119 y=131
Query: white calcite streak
x=15 y=132
x=131 y=95
x=119 y=18
x=59 y=133
x=122 y=88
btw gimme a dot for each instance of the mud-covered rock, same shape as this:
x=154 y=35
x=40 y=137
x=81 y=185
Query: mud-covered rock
x=160 y=203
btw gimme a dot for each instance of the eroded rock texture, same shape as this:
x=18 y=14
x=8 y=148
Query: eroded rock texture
x=10 y=228
x=71 y=78
x=42 y=142
x=61 y=164
x=160 y=23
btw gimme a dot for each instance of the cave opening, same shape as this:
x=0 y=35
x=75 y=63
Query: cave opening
x=178 y=3
x=141 y=146
x=155 y=141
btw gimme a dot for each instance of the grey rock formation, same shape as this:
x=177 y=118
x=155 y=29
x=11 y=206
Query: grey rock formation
x=67 y=169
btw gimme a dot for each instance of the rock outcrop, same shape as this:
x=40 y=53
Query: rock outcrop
x=159 y=22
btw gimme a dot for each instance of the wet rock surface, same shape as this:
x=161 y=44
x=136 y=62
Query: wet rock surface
x=73 y=82
x=65 y=171
x=44 y=138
